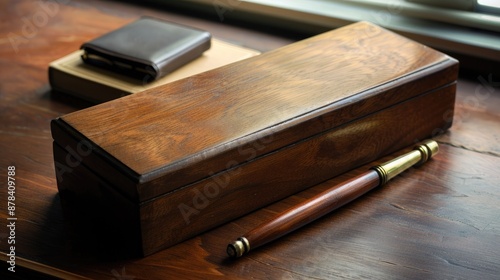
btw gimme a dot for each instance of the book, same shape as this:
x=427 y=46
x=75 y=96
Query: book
x=70 y=75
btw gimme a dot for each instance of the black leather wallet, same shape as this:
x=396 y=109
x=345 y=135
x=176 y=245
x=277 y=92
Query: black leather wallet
x=146 y=49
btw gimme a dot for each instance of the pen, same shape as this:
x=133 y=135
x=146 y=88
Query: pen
x=329 y=200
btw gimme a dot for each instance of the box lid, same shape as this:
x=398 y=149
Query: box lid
x=154 y=142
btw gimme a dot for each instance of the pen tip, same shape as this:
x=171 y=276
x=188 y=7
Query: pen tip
x=231 y=250
x=238 y=247
x=235 y=249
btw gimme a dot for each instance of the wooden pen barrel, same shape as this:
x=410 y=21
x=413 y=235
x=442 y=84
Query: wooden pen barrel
x=313 y=208
x=329 y=200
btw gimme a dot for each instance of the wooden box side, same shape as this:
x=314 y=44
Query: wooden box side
x=205 y=119
x=81 y=151
x=179 y=215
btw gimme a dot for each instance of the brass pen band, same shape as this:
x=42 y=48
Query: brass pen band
x=421 y=154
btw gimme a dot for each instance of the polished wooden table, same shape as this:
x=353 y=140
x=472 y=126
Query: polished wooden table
x=439 y=221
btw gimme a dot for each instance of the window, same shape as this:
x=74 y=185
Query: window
x=467 y=27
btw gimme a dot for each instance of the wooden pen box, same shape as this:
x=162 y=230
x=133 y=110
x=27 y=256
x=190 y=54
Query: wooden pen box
x=166 y=164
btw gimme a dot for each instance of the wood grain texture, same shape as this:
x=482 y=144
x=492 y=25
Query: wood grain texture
x=477 y=116
x=312 y=209
x=439 y=221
